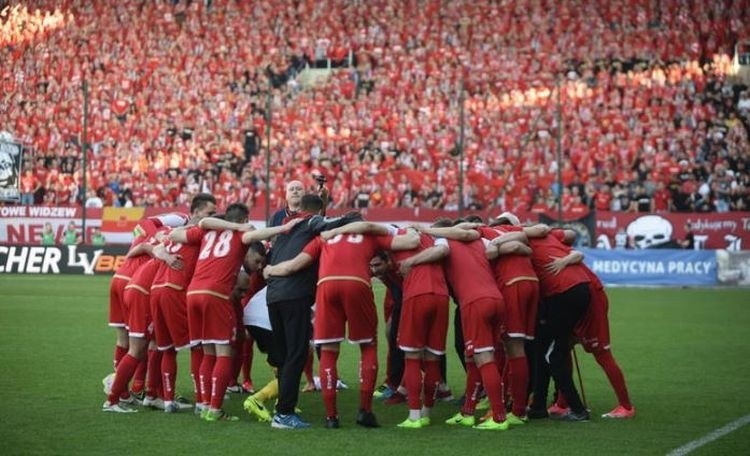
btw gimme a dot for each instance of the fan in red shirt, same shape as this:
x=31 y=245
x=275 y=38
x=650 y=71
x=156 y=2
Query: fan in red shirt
x=169 y=304
x=344 y=298
x=470 y=276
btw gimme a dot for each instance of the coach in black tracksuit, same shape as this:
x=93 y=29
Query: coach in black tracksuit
x=290 y=298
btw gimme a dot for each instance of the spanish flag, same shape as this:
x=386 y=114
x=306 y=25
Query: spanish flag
x=120 y=223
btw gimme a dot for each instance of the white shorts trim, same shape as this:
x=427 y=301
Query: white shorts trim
x=517 y=335
x=194 y=342
x=217 y=341
x=138 y=335
x=328 y=341
x=484 y=349
x=117 y=325
x=189 y=345
x=410 y=349
x=529 y=337
x=361 y=341
x=435 y=352
x=164 y=348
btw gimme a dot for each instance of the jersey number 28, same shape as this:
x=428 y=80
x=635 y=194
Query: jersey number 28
x=219 y=247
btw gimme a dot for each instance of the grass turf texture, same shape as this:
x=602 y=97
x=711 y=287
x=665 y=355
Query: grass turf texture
x=684 y=354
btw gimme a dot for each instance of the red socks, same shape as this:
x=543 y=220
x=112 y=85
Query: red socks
x=124 y=373
x=196 y=359
x=153 y=374
x=328 y=379
x=473 y=386
x=493 y=386
x=220 y=378
x=309 y=367
x=139 y=378
x=413 y=382
x=236 y=361
x=119 y=353
x=204 y=379
x=169 y=373
x=247 y=358
x=432 y=378
x=368 y=372
x=519 y=378
x=615 y=376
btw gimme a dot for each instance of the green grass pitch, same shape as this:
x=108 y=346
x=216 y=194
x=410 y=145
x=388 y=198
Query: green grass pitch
x=684 y=354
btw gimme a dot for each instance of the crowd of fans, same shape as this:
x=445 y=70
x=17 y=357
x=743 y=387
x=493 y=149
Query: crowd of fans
x=179 y=93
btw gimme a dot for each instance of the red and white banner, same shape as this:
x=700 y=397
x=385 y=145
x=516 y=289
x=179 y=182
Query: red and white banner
x=730 y=230
x=24 y=224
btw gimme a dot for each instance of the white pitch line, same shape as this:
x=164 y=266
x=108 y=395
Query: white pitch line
x=710 y=437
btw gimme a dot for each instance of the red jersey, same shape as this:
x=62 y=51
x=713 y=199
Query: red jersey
x=144 y=276
x=596 y=283
x=542 y=249
x=144 y=232
x=172 y=277
x=427 y=278
x=219 y=260
x=509 y=268
x=347 y=257
x=469 y=273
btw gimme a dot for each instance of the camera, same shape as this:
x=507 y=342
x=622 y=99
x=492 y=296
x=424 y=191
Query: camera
x=321 y=180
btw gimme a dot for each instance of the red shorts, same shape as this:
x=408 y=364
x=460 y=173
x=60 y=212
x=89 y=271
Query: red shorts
x=481 y=322
x=169 y=312
x=424 y=324
x=140 y=323
x=593 y=329
x=341 y=303
x=118 y=313
x=521 y=303
x=211 y=319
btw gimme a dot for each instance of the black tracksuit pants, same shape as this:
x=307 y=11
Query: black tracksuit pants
x=292 y=330
x=558 y=316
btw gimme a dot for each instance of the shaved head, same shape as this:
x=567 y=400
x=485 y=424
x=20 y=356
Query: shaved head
x=294 y=192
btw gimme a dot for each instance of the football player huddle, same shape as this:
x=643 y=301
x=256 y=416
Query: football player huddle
x=213 y=284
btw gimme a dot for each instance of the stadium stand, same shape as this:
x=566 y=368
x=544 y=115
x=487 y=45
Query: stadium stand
x=651 y=114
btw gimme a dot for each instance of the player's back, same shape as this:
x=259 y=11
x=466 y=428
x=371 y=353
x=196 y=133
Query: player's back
x=512 y=266
x=144 y=276
x=349 y=255
x=219 y=260
x=542 y=252
x=179 y=277
x=426 y=278
x=144 y=232
x=469 y=273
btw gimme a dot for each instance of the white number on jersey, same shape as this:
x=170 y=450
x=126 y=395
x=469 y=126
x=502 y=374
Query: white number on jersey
x=350 y=238
x=174 y=248
x=219 y=247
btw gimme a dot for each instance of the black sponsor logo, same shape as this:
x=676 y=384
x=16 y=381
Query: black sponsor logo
x=69 y=259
